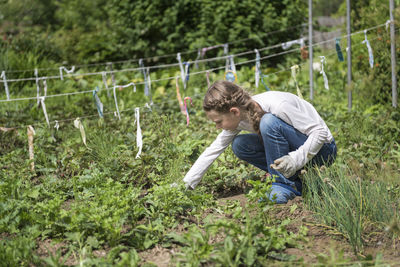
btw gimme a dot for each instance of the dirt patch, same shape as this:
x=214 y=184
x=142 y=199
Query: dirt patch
x=48 y=248
x=158 y=255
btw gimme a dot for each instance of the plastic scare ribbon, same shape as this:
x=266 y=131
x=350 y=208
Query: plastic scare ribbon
x=323 y=61
x=196 y=64
x=258 y=68
x=178 y=57
x=37 y=86
x=116 y=102
x=45 y=86
x=139 y=141
x=208 y=78
x=230 y=74
x=294 y=72
x=146 y=86
x=104 y=76
x=226 y=51
x=287 y=45
x=98 y=103
x=370 y=54
x=44 y=90
x=110 y=67
x=134 y=87
x=187 y=113
x=57 y=125
x=205 y=49
x=31 y=133
x=232 y=66
x=42 y=98
x=262 y=81
x=178 y=96
x=66 y=70
x=187 y=72
x=388 y=23
x=339 y=50
x=149 y=85
x=78 y=124
x=148 y=106
x=3 y=75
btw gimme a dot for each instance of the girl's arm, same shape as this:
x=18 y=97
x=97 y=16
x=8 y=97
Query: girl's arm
x=306 y=120
x=199 y=168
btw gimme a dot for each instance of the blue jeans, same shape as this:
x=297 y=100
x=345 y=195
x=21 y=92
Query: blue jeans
x=278 y=139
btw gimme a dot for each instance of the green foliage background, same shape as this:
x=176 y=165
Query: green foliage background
x=99 y=30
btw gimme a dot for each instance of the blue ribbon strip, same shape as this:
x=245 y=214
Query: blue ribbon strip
x=97 y=101
x=339 y=50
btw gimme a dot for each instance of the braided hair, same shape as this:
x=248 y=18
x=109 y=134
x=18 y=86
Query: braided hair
x=221 y=96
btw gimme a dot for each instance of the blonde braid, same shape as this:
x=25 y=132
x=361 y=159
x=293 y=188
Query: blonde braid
x=223 y=95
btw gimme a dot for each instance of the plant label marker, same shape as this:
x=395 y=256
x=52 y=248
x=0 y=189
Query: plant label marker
x=139 y=139
x=31 y=133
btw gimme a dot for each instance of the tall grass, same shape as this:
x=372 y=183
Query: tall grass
x=350 y=203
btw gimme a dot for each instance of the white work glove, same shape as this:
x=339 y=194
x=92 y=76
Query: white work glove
x=187 y=186
x=285 y=165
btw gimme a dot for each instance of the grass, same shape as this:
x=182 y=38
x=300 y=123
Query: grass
x=350 y=203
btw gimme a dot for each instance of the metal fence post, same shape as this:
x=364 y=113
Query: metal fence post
x=393 y=54
x=349 y=93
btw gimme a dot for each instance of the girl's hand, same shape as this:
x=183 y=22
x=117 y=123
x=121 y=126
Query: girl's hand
x=285 y=165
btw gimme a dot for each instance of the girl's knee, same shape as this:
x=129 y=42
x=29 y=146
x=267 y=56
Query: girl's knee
x=269 y=122
x=238 y=145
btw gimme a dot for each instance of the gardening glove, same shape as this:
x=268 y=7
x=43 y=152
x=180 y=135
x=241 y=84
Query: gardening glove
x=285 y=165
x=187 y=186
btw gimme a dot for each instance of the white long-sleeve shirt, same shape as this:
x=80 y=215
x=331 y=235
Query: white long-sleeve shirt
x=289 y=108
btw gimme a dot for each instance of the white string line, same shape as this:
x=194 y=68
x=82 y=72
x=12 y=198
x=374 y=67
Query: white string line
x=163 y=56
x=151 y=67
x=140 y=83
x=146 y=107
x=194 y=96
x=177 y=64
x=193 y=73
